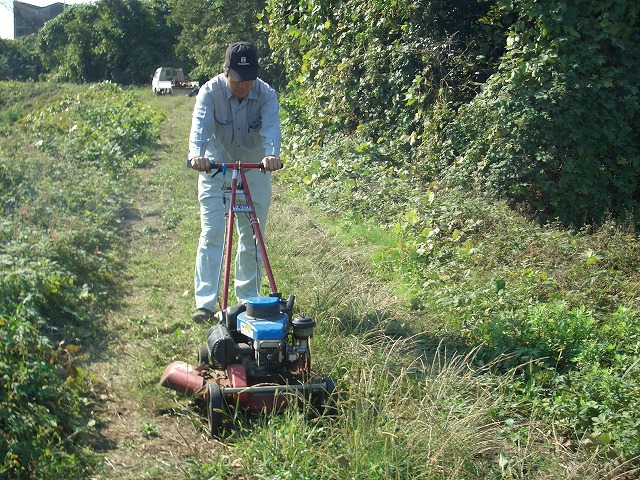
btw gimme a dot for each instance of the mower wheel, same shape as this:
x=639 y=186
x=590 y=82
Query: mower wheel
x=203 y=356
x=326 y=402
x=330 y=398
x=213 y=397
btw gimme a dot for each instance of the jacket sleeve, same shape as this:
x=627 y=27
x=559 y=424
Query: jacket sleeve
x=202 y=122
x=270 y=131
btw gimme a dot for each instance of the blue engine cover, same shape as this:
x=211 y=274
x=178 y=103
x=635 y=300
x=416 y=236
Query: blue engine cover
x=263 y=320
x=274 y=328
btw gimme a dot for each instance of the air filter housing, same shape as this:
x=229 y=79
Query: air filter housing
x=303 y=327
x=221 y=346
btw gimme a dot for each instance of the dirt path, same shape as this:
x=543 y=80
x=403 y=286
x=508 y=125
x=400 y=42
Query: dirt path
x=144 y=435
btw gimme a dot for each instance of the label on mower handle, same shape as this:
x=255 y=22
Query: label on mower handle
x=243 y=208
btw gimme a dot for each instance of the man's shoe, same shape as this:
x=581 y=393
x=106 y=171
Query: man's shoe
x=202 y=315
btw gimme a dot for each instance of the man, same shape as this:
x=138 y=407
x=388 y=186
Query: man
x=236 y=117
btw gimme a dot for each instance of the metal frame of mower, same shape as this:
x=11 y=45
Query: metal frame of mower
x=257 y=358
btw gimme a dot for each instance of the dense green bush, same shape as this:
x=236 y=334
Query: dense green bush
x=19 y=60
x=61 y=198
x=556 y=128
x=43 y=405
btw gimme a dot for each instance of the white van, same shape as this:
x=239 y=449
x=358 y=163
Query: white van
x=160 y=84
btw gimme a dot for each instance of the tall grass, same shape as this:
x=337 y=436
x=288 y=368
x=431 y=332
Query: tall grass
x=411 y=405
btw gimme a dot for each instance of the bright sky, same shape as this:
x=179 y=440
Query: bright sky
x=6 y=13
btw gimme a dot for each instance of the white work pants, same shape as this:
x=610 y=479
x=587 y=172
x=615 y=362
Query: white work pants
x=248 y=262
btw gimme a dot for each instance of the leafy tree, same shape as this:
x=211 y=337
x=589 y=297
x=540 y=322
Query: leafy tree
x=207 y=27
x=66 y=42
x=556 y=129
x=18 y=61
x=119 y=40
x=193 y=19
x=134 y=39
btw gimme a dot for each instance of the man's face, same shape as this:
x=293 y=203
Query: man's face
x=239 y=89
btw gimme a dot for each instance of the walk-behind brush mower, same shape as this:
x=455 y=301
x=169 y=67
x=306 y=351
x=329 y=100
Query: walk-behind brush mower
x=257 y=358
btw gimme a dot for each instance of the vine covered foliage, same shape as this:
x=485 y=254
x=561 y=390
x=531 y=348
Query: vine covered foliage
x=535 y=102
x=556 y=128
x=376 y=66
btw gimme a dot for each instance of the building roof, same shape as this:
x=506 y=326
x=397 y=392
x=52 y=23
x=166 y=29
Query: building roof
x=29 y=19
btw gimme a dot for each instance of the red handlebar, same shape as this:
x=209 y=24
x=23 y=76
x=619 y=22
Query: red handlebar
x=235 y=165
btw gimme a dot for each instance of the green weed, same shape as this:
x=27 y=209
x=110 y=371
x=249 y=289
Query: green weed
x=58 y=258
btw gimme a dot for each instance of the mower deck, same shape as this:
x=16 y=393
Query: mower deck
x=232 y=387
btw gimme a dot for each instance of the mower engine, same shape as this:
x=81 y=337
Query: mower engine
x=256 y=358
x=266 y=334
x=261 y=336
